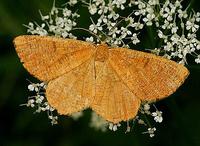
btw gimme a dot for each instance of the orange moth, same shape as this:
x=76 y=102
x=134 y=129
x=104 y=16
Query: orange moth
x=111 y=81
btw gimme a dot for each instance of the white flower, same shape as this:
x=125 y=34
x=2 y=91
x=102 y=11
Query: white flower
x=182 y=14
x=151 y=131
x=113 y=127
x=93 y=28
x=157 y=116
x=137 y=25
x=53 y=119
x=92 y=9
x=42 y=84
x=174 y=29
x=191 y=25
x=98 y=122
x=39 y=99
x=72 y=2
x=90 y=39
x=119 y=3
x=77 y=115
x=197 y=60
x=160 y=34
x=156 y=51
x=31 y=87
x=54 y=10
x=153 y=2
x=137 y=13
x=140 y=121
x=146 y=107
x=39 y=30
x=135 y=39
x=31 y=103
x=66 y=12
x=197 y=17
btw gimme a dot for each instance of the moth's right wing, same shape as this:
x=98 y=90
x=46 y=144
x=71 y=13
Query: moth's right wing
x=49 y=57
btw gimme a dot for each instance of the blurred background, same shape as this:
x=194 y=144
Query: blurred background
x=20 y=127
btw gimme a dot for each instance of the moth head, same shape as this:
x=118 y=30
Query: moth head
x=101 y=52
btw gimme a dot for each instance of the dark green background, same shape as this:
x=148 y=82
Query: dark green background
x=19 y=127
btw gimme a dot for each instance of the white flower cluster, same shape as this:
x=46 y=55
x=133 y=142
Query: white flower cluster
x=110 y=26
x=77 y=115
x=114 y=127
x=177 y=30
x=157 y=116
x=36 y=87
x=145 y=111
x=39 y=101
x=59 y=22
x=151 y=132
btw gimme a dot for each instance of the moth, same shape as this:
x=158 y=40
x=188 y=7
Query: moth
x=111 y=81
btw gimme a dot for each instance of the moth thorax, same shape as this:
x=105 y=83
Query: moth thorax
x=101 y=53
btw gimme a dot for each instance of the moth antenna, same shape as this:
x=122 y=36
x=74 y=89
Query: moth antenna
x=79 y=28
x=123 y=18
